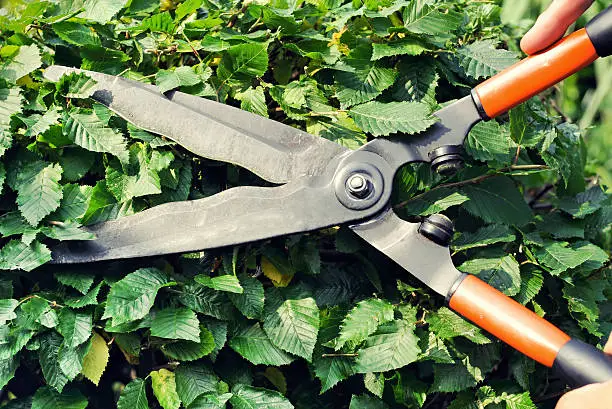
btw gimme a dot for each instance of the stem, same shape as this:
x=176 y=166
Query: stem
x=195 y=52
x=338 y=355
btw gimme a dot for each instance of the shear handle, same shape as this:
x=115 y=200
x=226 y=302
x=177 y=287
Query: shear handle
x=540 y=71
x=577 y=363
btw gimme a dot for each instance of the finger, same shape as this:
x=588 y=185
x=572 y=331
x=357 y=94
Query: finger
x=552 y=24
x=608 y=347
x=594 y=396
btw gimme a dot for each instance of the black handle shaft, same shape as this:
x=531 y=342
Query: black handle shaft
x=582 y=364
x=600 y=32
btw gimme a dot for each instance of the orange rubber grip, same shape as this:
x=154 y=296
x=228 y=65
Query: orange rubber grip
x=508 y=320
x=536 y=73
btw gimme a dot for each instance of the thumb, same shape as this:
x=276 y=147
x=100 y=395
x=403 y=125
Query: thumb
x=552 y=24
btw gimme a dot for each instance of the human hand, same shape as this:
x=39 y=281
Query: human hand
x=552 y=24
x=595 y=396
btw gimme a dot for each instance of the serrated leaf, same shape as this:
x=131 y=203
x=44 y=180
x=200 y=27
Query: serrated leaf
x=481 y=59
x=43 y=124
x=23 y=62
x=16 y=255
x=10 y=104
x=251 y=301
x=331 y=370
x=101 y=11
x=456 y=377
x=417 y=81
x=189 y=350
x=228 y=283
x=132 y=297
x=434 y=201
x=164 y=388
x=89 y=132
x=488 y=141
x=426 y=19
x=243 y=62
x=193 y=380
x=248 y=397
x=491 y=234
x=557 y=257
x=80 y=281
x=71 y=359
x=584 y=203
x=75 y=327
x=564 y=152
x=94 y=363
x=76 y=85
x=436 y=350
x=179 y=77
x=134 y=396
x=447 y=325
x=502 y=273
x=253 y=344
x=367 y=402
x=497 y=200
x=393 y=346
x=49 y=362
x=404 y=46
x=74 y=203
x=293 y=326
x=39 y=191
x=176 y=323
x=7 y=369
x=381 y=119
x=46 y=398
x=91 y=298
x=253 y=100
x=363 y=320
x=7 y=310
x=76 y=33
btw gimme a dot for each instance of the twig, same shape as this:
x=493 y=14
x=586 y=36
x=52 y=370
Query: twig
x=195 y=52
x=338 y=355
x=473 y=181
x=540 y=194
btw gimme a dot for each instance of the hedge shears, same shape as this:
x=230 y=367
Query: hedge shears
x=323 y=184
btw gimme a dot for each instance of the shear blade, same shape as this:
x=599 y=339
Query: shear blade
x=273 y=151
x=402 y=242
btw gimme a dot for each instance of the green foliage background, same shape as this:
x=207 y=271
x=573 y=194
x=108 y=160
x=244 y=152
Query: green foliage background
x=310 y=321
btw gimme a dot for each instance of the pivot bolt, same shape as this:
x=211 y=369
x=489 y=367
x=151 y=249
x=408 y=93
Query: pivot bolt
x=446 y=160
x=359 y=186
x=437 y=228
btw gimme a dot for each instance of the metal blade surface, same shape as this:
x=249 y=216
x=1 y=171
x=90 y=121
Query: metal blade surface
x=234 y=216
x=273 y=151
x=421 y=257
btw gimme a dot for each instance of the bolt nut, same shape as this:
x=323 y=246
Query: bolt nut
x=447 y=160
x=358 y=185
x=437 y=228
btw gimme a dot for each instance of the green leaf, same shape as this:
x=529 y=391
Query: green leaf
x=341 y=129
x=417 y=81
x=585 y=203
x=253 y=100
x=331 y=370
x=189 y=350
x=20 y=64
x=425 y=19
x=89 y=132
x=134 y=396
x=80 y=281
x=76 y=85
x=7 y=310
x=10 y=104
x=7 y=369
x=76 y=33
x=497 y=200
x=46 y=398
x=228 y=283
x=363 y=320
x=247 y=397
x=164 y=388
x=75 y=327
x=488 y=141
x=393 y=346
x=367 y=402
x=456 y=377
x=381 y=119
x=557 y=257
x=91 y=298
x=43 y=124
x=503 y=272
x=404 y=46
x=251 y=301
x=584 y=300
x=186 y=8
x=564 y=152
x=179 y=77
x=487 y=235
x=39 y=191
x=101 y=11
x=374 y=383
x=16 y=255
x=531 y=284
x=49 y=362
x=448 y=325
x=74 y=203
x=94 y=363
x=253 y=344
x=243 y=62
x=132 y=297
x=434 y=201
x=176 y=323
x=293 y=326
x=193 y=380
x=481 y=59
